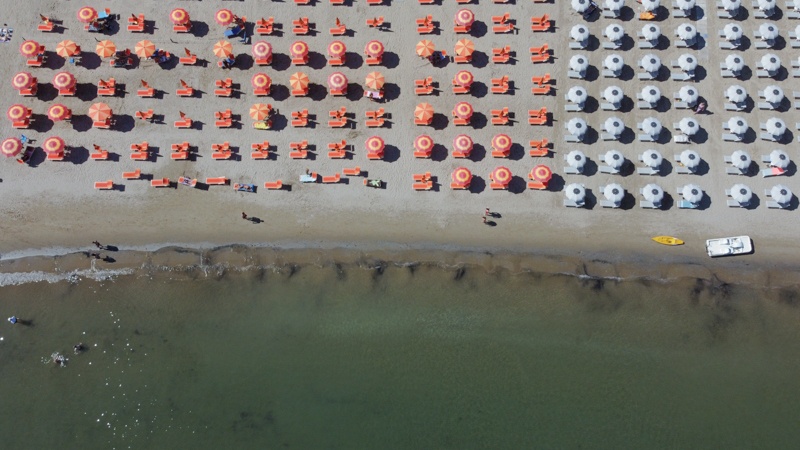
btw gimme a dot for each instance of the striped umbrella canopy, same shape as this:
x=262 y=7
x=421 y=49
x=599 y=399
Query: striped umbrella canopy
x=425 y=48
x=463 y=110
x=337 y=80
x=465 y=47
x=463 y=143
x=375 y=80
x=262 y=49
x=53 y=145
x=64 y=80
x=260 y=111
x=144 y=49
x=374 y=48
x=501 y=175
x=299 y=49
x=461 y=177
x=100 y=112
x=261 y=80
x=67 y=48
x=424 y=112
x=11 y=147
x=542 y=173
x=337 y=49
x=17 y=112
x=29 y=49
x=23 y=80
x=58 y=112
x=464 y=78
x=223 y=49
x=298 y=81
x=179 y=16
x=224 y=17
x=465 y=17
x=105 y=49
x=87 y=14
x=374 y=144
x=423 y=143
x=501 y=143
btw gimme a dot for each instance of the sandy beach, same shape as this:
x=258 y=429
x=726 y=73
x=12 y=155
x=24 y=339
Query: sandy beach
x=51 y=207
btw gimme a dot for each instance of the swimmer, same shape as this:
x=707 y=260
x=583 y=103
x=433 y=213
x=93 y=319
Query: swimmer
x=78 y=348
x=59 y=360
x=13 y=319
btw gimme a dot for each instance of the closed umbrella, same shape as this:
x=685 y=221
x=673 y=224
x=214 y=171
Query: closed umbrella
x=732 y=32
x=53 y=145
x=105 y=49
x=337 y=49
x=29 y=49
x=736 y=93
x=613 y=94
x=771 y=62
x=461 y=177
x=766 y=5
x=651 y=32
x=781 y=194
x=685 y=5
x=741 y=160
x=687 y=62
x=575 y=192
x=23 y=80
x=58 y=112
x=501 y=143
x=741 y=193
x=689 y=158
x=64 y=80
x=260 y=111
x=688 y=126
x=262 y=50
x=651 y=94
x=100 y=112
x=67 y=48
x=17 y=112
x=465 y=17
x=614 y=126
x=424 y=112
x=425 y=48
x=463 y=110
x=465 y=47
x=797 y=29
x=737 y=125
x=223 y=49
x=87 y=14
x=614 y=5
x=692 y=193
x=578 y=63
x=179 y=16
x=650 y=5
x=686 y=31
x=374 y=144
x=731 y=5
x=579 y=33
x=337 y=81
x=773 y=94
x=501 y=175
x=651 y=126
x=11 y=147
x=688 y=94
x=462 y=143
x=374 y=49
x=464 y=78
x=776 y=126
x=613 y=62
x=614 y=192
x=576 y=158
x=580 y=5
x=261 y=80
x=423 y=143
x=224 y=17
x=298 y=49
x=734 y=63
x=614 y=32
x=652 y=158
x=576 y=126
x=653 y=193
x=768 y=31
x=577 y=94
x=614 y=158
x=779 y=158
x=375 y=80
x=651 y=63
x=144 y=49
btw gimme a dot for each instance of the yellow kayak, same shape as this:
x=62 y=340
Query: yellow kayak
x=668 y=240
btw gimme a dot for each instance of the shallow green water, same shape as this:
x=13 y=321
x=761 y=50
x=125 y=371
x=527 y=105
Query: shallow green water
x=350 y=359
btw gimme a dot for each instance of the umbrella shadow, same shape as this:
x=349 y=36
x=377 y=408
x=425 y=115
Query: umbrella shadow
x=627 y=136
x=477 y=185
x=589 y=167
x=46 y=92
x=702 y=167
x=439 y=121
x=590 y=105
x=81 y=123
x=86 y=91
x=281 y=62
x=317 y=60
x=479 y=59
x=556 y=183
x=478 y=153
x=279 y=122
x=317 y=92
x=590 y=200
x=590 y=136
x=700 y=137
x=478 y=29
x=517 y=185
x=354 y=92
x=55 y=61
x=77 y=155
x=626 y=104
x=353 y=60
x=628 y=201
x=479 y=90
x=390 y=60
x=517 y=152
x=438 y=153
x=244 y=62
x=279 y=92
x=199 y=28
x=391 y=153
x=626 y=73
x=90 y=60
x=124 y=122
x=391 y=91
x=41 y=123
x=478 y=121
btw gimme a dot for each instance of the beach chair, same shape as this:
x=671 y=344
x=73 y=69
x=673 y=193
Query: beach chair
x=539 y=148
x=425 y=25
x=185 y=28
x=179 y=156
x=300 y=118
x=501 y=55
x=273 y=185
x=264 y=27
x=500 y=85
x=185 y=90
x=160 y=182
x=135 y=175
x=146 y=91
x=423 y=186
x=538 y=116
x=217 y=181
x=375 y=22
x=498 y=186
x=541 y=24
x=333 y=179
x=220 y=156
x=47 y=25
x=136 y=23
x=340 y=28
x=104 y=185
x=99 y=155
x=102 y=124
x=144 y=115
x=540 y=54
x=190 y=59
x=184 y=122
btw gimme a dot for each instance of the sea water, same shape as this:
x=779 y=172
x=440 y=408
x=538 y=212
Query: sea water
x=398 y=357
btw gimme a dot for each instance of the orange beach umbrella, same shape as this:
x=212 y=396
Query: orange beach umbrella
x=461 y=177
x=105 y=49
x=374 y=144
x=223 y=49
x=224 y=17
x=336 y=49
x=374 y=48
x=23 y=80
x=463 y=144
x=464 y=78
x=100 y=112
x=53 y=144
x=29 y=49
x=260 y=111
x=64 y=80
x=465 y=47
x=298 y=81
x=423 y=143
x=501 y=175
x=424 y=112
x=465 y=17
x=463 y=110
x=337 y=80
x=542 y=173
x=58 y=112
x=11 y=147
x=298 y=50
x=261 y=80
x=87 y=14
x=179 y=16
x=375 y=80
x=262 y=49
x=144 y=49
x=501 y=143
x=67 y=48
x=17 y=112
x=425 y=48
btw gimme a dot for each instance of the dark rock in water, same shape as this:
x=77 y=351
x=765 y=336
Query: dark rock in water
x=460 y=273
x=788 y=297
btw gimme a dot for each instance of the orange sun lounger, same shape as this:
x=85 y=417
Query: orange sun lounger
x=104 y=185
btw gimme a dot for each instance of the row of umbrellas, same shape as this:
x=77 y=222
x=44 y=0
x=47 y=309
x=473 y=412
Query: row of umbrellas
x=652 y=126
x=581 y=6
x=651 y=32
x=690 y=192
x=462 y=176
x=615 y=62
x=178 y=16
x=689 y=158
x=614 y=94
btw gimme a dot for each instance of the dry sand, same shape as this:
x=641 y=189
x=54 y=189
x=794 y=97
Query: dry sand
x=52 y=207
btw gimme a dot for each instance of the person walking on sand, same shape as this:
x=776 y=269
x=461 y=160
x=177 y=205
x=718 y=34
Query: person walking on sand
x=487 y=213
x=97 y=244
x=484 y=220
x=244 y=216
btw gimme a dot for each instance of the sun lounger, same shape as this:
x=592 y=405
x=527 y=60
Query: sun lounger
x=424 y=186
x=99 y=156
x=354 y=171
x=160 y=182
x=264 y=27
x=222 y=155
x=573 y=204
x=331 y=179
x=135 y=175
x=299 y=154
x=273 y=185
x=104 y=185
x=685 y=204
x=458 y=187
x=46 y=26
x=217 y=181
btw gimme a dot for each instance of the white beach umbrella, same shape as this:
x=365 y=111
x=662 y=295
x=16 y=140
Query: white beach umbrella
x=731 y=5
x=692 y=193
x=614 y=192
x=771 y=62
x=575 y=192
x=687 y=62
x=766 y=5
x=577 y=94
x=734 y=63
x=613 y=94
x=613 y=62
x=614 y=32
x=779 y=158
x=653 y=193
x=578 y=63
x=688 y=94
x=686 y=31
x=732 y=32
x=741 y=193
x=768 y=31
x=650 y=5
x=651 y=63
x=781 y=194
x=736 y=93
x=614 y=126
x=651 y=94
x=614 y=158
x=741 y=160
x=614 y=5
x=579 y=32
x=689 y=126
x=576 y=158
x=737 y=125
x=651 y=32
x=576 y=126
x=685 y=5
x=651 y=126
x=580 y=5
x=773 y=94
x=776 y=126
x=689 y=158
x=652 y=158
